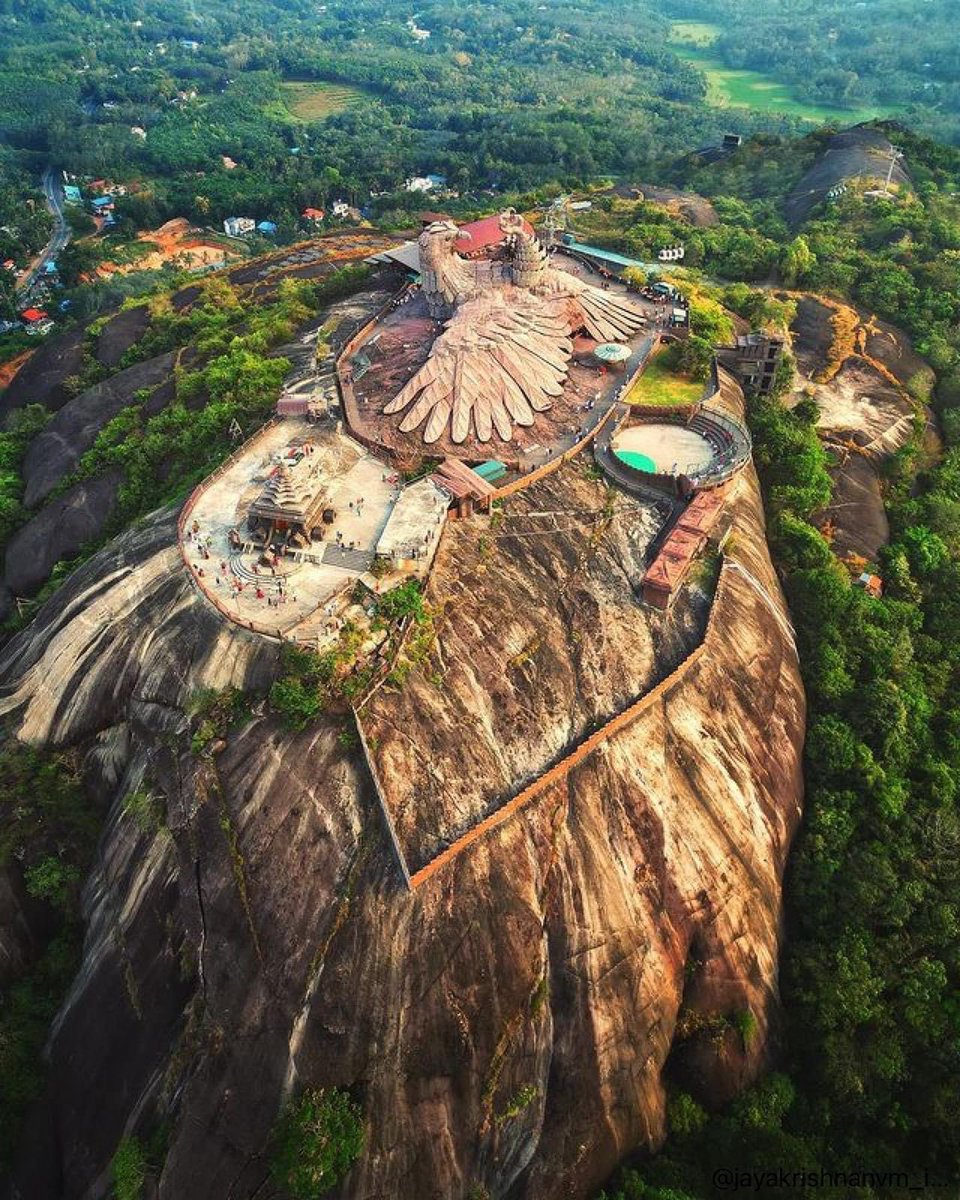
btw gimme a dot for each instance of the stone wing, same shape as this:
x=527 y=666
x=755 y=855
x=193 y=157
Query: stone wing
x=606 y=316
x=493 y=367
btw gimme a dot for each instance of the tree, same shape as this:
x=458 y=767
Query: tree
x=797 y=262
x=317 y=1140
x=695 y=357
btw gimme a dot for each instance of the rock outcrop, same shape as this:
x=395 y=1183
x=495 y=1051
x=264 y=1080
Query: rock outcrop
x=511 y=1026
x=55 y=451
x=59 y=531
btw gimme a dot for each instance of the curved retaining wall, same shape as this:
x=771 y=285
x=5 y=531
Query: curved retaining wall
x=188 y=507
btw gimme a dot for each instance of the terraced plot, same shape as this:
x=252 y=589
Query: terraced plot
x=312 y=100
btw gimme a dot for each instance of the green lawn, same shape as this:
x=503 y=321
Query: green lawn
x=313 y=100
x=727 y=88
x=662 y=384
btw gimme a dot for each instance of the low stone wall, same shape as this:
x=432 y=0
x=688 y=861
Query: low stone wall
x=547 y=468
x=664 y=412
x=351 y=411
x=561 y=769
x=188 y=507
x=384 y=810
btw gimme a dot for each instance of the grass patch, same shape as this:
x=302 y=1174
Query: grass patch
x=313 y=100
x=662 y=384
x=694 y=33
x=729 y=88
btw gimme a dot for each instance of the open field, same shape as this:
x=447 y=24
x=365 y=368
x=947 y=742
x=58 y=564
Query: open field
x=175 y=242
x=662 y=384
x=729 y=88
x=694 y=33
x=313 y=100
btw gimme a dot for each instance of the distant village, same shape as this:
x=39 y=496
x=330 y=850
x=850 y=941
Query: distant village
x=39 y=285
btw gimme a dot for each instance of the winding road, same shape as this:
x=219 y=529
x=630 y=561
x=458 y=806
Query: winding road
x=53 y=189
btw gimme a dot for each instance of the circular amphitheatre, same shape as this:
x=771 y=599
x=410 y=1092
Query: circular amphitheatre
x=662 y=449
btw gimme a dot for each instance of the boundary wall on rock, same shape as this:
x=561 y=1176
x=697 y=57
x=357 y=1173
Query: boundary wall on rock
x=382 y=802
x=561 y=769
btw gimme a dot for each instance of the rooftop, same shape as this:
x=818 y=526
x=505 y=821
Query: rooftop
x=417 y=512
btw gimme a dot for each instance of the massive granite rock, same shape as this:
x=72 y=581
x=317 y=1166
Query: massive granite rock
x=59 y=530
x=510 y=1026
x=55 y=451
x=41 y=380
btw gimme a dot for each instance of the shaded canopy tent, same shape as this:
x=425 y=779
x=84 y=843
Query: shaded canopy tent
x=293 y=499
x=612 y=354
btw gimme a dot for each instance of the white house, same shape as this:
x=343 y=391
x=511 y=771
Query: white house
x=425 y=183
x=239 y=226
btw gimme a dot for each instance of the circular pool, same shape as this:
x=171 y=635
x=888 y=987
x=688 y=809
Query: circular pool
x=662 y=449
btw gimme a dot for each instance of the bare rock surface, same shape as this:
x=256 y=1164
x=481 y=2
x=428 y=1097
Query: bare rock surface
x=58 y=531
x=55 y=452
x=865 y=415
x=41 y=379
x=120 y=333
x=511 y=1025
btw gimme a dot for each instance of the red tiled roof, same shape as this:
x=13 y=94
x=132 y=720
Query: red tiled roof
x=313 y=214
x=701 y=513
x=483 y=233
x=673 y=561
x=34 y=314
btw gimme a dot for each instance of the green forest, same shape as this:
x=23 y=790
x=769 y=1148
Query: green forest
x=497 y=96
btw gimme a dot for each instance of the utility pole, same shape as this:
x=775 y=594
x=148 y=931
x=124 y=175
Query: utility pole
x=895 y=155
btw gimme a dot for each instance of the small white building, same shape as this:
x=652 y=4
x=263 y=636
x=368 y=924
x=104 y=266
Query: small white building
x=411 y=535
x=340 y=208
x=239 y=226
x=425 y=183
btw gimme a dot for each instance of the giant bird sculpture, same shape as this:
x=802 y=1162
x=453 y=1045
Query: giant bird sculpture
x=505 y=350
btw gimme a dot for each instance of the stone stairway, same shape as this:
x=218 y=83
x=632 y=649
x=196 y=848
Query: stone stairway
x=264 y=580
x=350 y=560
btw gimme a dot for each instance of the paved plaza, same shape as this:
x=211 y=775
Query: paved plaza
x=296 y=594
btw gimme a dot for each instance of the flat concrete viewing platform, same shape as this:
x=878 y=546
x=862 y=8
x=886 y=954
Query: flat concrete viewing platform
x=301 y=597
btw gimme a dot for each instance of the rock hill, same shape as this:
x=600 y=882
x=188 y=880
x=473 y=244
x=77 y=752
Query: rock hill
x=511 y=1025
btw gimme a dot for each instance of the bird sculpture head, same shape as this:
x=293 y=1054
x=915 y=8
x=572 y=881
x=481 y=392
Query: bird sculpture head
x=438 y=242
x=511 y=221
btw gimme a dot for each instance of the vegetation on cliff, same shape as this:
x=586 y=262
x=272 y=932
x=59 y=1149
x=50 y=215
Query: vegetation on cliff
x=317 y=1140
x=871 y=971
x=48 y=828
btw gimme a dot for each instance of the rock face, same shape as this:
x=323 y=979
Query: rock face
x=57 y=450
x=866 y=413
x=59 y=531
x=511 y=1025
x=41 y=379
